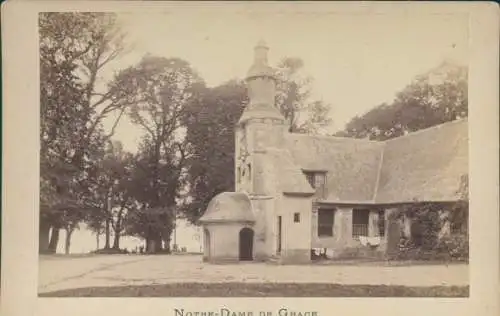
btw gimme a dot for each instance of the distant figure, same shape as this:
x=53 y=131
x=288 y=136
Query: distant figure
x=141 y=249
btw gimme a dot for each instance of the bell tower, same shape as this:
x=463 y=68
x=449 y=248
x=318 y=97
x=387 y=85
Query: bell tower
x=259 y=134
x=261 y=126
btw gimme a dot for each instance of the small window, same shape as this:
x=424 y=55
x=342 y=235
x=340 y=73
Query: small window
x=325 y=222
x=310 y=178
x=317 y=180
x=320 y=180
x=296 y=217
x=360 y=218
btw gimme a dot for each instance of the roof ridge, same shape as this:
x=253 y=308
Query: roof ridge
x=421 y=131
x=331 y=137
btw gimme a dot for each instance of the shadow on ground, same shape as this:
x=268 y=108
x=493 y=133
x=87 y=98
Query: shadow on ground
x=262 y=290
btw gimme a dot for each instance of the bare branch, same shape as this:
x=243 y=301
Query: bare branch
x=115 y=124
x=104 y=97
x=110 y=57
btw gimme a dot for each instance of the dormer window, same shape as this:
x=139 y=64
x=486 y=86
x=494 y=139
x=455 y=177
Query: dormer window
x=317 y=180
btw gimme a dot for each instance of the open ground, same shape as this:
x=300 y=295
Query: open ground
x=124 y=275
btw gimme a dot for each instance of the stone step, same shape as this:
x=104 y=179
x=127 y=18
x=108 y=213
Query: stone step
x=274 y=259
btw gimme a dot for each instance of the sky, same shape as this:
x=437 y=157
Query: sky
x=84 y=241
x=357 y=61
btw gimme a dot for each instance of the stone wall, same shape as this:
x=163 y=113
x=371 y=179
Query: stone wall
x=224 y=242
x=342 y=231
x=342 y=243
x=263 y=228
x=296 y=236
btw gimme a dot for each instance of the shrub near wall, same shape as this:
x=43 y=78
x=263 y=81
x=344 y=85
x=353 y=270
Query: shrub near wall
x=425 y=242
x=454 y=248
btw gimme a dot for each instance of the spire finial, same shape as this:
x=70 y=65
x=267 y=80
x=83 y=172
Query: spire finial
x=260 y=66
x=261 y=44
x=261 y=82
x=261 y=50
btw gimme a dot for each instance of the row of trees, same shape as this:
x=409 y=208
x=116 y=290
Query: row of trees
x=187 y=144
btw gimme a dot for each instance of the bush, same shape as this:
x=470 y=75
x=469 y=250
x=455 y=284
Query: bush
x=456 y=247
x=425 y=242
x=452 y=248
x=110 y=251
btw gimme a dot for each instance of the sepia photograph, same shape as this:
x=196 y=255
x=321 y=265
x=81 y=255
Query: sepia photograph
x=250 y=158
x=256 y=161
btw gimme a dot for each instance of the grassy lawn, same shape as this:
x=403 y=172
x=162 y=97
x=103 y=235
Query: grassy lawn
x=262 y=289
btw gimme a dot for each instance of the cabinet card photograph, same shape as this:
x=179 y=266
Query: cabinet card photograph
x=297 y=151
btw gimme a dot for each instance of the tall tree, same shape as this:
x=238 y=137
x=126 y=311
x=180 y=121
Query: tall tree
x=111 y=194
x=210 y=121
x=74 y=49
x=433 y=98
x=293 y=98
x=161 y=89
x=121 y=199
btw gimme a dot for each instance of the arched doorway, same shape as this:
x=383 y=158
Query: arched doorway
x=246 y=244
x=206 y=243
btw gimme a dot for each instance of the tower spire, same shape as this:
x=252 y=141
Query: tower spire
x=261 y=83
x=260 y=66
x=260 y=53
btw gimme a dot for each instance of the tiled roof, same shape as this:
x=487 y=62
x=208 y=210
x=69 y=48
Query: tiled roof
x=427 y=165
x=352 y=164
x=291 y=180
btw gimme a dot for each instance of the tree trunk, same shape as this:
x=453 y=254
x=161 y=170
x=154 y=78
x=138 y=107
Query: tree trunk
x=43 y=235
x=116 y=241
x=158 y=244
x=166 y=245
x=97 y=235
x=67 y=244
x=166 y=240
x=107 y=234
x=151 y=246
x=153 y=243
x=107 y=228
x=54 y=239
x=117 y=229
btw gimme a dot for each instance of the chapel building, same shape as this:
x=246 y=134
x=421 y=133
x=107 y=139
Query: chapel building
x=298 y=192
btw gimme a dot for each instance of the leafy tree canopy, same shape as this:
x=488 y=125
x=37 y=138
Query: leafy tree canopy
x=433 y=98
